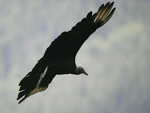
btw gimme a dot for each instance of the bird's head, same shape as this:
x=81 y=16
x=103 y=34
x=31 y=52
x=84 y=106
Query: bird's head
x=80 y=70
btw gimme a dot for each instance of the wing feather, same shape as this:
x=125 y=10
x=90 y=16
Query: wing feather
x=37 y=80
x=68 y=43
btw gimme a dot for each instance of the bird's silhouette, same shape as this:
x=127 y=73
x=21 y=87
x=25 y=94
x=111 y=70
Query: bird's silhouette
x=59 y=58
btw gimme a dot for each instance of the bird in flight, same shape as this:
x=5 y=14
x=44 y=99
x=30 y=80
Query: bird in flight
x=59 y=58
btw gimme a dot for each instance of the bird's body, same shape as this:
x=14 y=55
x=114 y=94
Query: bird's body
x=63 y=67
x=59 y=58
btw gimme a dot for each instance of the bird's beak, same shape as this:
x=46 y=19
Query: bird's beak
x=85 y=73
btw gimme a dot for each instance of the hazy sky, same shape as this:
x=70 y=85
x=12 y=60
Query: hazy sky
x=116 y=57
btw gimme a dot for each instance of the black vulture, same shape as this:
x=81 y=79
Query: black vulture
x=59 y=58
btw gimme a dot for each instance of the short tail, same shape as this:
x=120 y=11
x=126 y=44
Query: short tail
x=30 y=84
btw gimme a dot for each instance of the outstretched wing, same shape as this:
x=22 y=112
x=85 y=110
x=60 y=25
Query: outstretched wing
x=68 y=43
x=35 y=81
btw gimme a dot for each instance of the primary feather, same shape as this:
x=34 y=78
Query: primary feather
x=59 y=58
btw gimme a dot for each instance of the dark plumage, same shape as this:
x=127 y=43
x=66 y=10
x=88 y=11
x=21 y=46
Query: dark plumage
x=59 y=57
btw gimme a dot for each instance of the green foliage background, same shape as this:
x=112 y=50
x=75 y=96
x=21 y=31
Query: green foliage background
x=116 y=57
